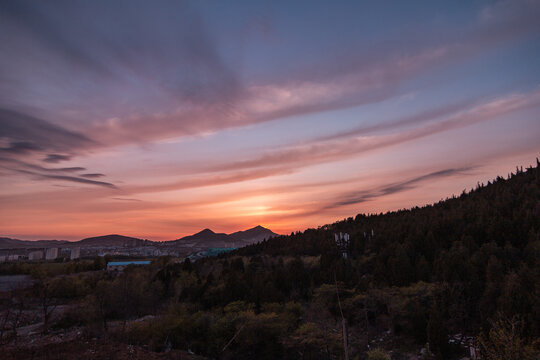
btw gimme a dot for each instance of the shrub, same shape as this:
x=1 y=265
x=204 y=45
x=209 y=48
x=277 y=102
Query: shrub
x=378 y=354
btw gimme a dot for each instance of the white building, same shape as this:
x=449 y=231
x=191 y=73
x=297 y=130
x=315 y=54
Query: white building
x=75 y=253
x=51 y=254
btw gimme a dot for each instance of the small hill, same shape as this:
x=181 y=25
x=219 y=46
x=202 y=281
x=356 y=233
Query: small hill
x=110 y=240
x=97 y=241
x=253 y=235
x=204 y=236
x=8 y=243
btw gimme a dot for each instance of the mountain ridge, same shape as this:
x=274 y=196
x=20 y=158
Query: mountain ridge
x=244 y=237
x=203 y=237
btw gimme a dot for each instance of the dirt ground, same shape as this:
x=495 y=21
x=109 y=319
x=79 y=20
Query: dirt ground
x=88 y=350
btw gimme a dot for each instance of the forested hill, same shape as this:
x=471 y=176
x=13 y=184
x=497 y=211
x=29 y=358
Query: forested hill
x=479 y=252
x=503 y=214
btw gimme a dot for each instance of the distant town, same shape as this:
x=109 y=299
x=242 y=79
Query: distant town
x=202 y=244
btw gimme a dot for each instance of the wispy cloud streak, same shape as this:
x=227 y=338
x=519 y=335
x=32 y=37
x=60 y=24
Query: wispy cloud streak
x=344 y=145
x=17 y=128
x=67 y=178
x=93 y=175
x=352 y=198
x=209 y=96
x=56 y=158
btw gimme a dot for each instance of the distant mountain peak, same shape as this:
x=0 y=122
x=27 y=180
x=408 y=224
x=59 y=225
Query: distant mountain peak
x=109 y=240
x=98 y=241
x=205 y=231
x=255 y=234
x=210 y=238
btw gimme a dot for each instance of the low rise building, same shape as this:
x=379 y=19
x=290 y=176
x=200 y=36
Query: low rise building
x=35 y=255
x=75 y=253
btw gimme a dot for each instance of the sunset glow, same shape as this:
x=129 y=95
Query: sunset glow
x=159 y=121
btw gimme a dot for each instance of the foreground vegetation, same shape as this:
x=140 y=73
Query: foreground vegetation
x=464 y=268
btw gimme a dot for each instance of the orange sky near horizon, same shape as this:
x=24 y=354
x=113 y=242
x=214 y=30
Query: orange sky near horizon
x=281 y=208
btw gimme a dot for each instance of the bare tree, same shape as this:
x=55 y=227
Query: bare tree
x=44 y=289
x=505 y=341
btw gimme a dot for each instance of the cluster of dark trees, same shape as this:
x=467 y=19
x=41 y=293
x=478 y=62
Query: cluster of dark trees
x=467 y=265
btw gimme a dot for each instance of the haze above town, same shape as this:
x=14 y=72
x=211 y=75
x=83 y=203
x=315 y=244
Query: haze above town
x=159 y=121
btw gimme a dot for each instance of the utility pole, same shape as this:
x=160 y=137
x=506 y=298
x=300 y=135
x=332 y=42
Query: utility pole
x=343 y=322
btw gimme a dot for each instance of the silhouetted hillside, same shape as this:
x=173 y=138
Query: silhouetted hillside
x=240 y=238
x=110 y=240
x=503 y=212
x=256 y=234
x=204 y=236
x=8 y=243
x=203 y=239
x=98 y=241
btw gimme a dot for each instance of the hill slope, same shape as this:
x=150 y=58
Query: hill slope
x=256 y=234
x=203 y=239
x=208 y=238
x=8 y=243
x=110 y=240
x=502 y=212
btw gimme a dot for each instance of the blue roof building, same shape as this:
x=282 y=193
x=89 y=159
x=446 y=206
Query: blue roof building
x=120 y=265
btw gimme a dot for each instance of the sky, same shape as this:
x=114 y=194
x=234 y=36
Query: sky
x=159 y=119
